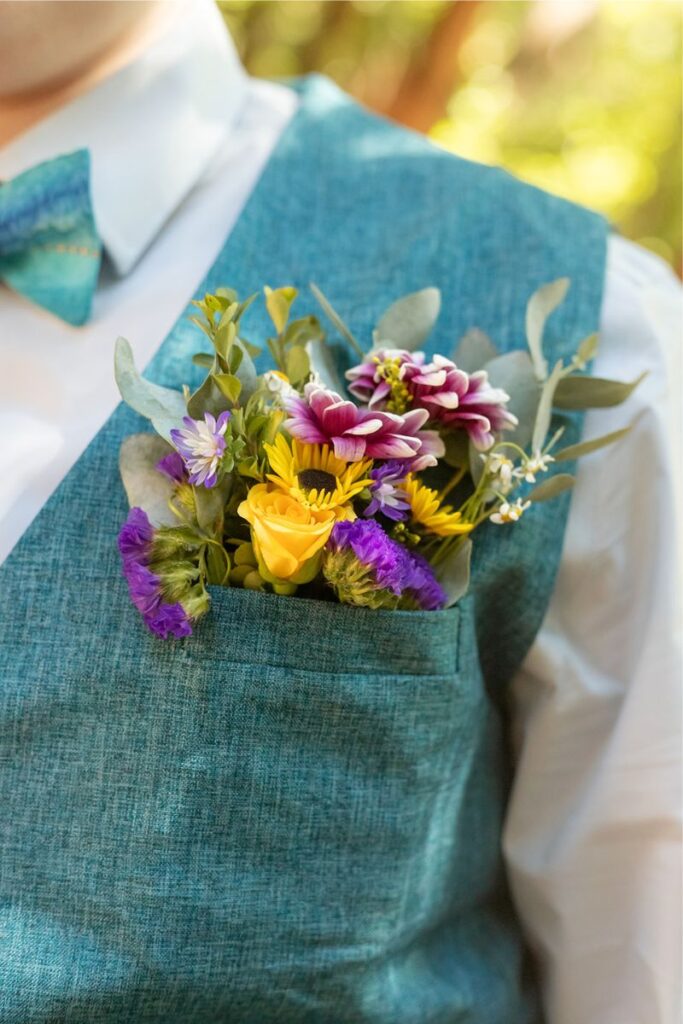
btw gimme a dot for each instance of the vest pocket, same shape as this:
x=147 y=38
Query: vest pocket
x=327 y=773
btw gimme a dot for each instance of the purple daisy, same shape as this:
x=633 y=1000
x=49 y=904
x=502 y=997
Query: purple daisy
x=324 y=417
x=394 y=378
x=135 y=544
x=387 y=496
x=366 y=567
x=201 y=444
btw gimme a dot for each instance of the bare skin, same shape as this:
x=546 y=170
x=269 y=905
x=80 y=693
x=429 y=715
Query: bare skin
x=53 y=50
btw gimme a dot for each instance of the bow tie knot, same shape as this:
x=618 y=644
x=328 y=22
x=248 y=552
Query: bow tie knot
x=50 y=250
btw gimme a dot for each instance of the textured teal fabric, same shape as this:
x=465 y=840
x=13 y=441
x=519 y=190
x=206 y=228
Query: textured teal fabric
x=49 y=247
x=294 y=815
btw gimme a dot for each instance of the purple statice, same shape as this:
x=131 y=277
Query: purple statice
x=366 y=567
x=201 y=443
x=324 y=417
x=135 y=538
x=173 y=467
x=400 y=380
x=386 y=494
x=135 y=544
x=422 y=585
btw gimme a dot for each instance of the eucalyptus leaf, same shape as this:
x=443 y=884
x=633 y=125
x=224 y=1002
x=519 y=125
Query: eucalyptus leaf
x=229 y=385
x=476 y=463
x=224 y=337
x=145 y=486
x=454 y=573
x=301 y=331
x=163 y=407
x=514 y=373
x=278 y=304
x=246 y=371
x=207 y=398
x=297 y=364
x=551 y=487
x=545 y=409
x=408 y=322
x=210 y=503
x=594 y=392
x=334 y=318
x=474 y=350
x=456 y=443
x=236 y=357
x=587 y=349
x=323 y=363
x=575 y=451
x=541 y=304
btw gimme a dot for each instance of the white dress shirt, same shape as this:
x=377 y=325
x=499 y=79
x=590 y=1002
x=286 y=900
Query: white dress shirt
x=178 y=139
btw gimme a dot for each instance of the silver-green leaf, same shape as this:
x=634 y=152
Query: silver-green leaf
x=145 y=486
x=334 y=318
x=454 y=573
x=541 y=304
x=575 y=451
x=473 y=351
x=408 y=321
x=587 y=349
x=514 y=373
x=545 y=408
x=163 y=407
x=323 y=364
x=594 y=392
x=551 y=487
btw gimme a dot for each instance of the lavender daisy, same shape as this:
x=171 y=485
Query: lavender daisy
x=366 y=567
x=386 y=493
x=201 y=443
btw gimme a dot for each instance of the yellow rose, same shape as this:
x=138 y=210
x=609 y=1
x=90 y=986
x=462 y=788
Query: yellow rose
x=287 y=537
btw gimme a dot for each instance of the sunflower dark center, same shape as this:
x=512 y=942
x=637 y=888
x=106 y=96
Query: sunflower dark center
x=317 y=480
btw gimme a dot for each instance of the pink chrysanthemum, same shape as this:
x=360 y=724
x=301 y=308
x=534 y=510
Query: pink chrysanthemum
x=396 y=380
x=324 y=417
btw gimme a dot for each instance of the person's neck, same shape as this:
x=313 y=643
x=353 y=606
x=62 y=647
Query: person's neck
x=19 y=114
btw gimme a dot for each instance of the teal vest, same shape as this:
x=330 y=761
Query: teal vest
x=294 y=815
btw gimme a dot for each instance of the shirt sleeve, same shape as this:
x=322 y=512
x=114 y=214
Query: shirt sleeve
x=592 y=837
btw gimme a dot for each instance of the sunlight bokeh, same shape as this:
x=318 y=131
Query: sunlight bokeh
x=580 y=97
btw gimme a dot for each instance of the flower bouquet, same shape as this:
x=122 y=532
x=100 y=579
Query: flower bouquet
x=362 y=487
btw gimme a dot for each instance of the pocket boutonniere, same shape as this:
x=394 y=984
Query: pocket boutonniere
x=363 y=487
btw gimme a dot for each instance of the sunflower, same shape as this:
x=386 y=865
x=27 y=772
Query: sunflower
x=427 y=510
x=315 y=477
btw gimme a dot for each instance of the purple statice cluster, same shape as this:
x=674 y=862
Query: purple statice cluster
x=448 y=395
x=367 y=563
x=135 y=544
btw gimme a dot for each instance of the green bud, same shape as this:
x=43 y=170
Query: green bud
x=253 y=581
x=239 y=573
x=244 y=555
x=287 y=589
x=196 y=603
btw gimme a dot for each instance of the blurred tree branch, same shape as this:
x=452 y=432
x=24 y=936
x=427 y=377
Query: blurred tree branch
x=423 y=93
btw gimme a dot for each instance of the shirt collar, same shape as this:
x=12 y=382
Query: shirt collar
x=152 y=129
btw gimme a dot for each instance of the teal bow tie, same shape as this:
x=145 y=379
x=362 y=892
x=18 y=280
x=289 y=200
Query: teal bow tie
x=50 y=251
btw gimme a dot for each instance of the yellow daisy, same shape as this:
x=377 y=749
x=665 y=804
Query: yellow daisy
x=427 y=510
x=315 y=477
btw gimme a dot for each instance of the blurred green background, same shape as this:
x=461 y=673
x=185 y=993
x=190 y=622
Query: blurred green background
x=581 y=97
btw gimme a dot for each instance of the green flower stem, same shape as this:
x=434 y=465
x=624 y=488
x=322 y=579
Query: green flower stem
x=453 y=482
